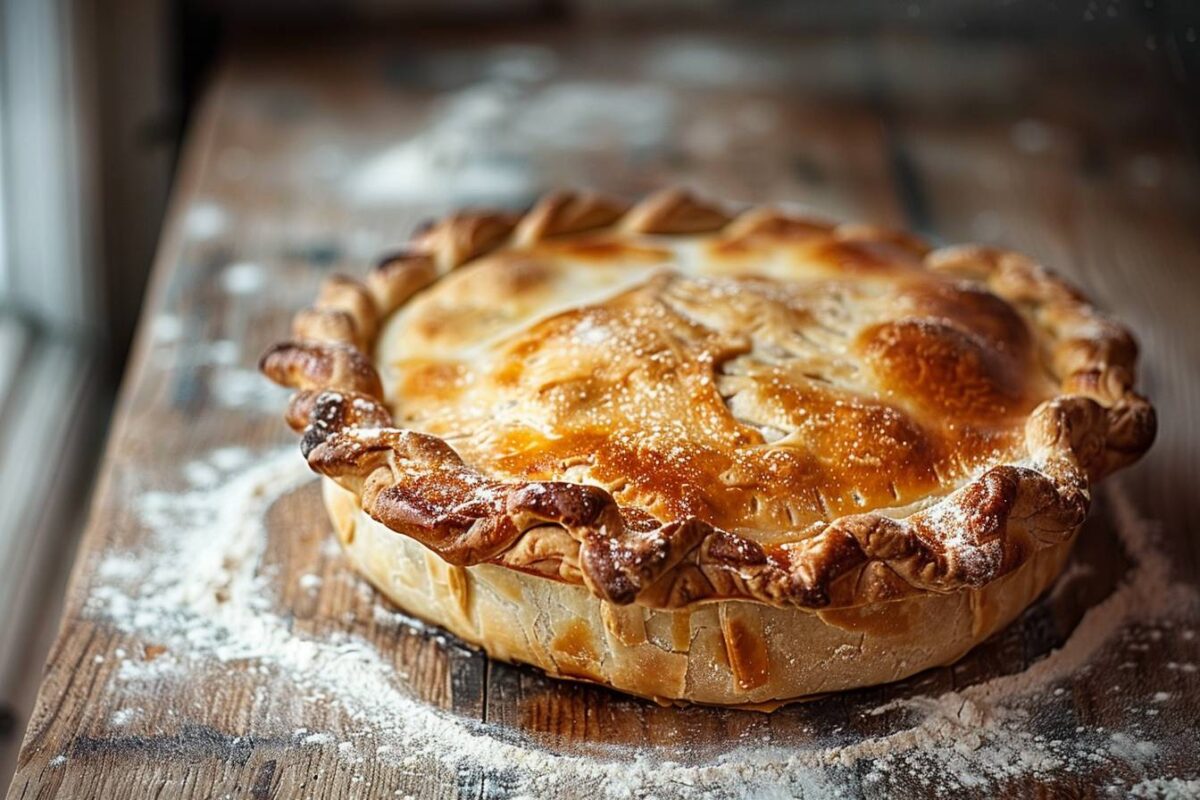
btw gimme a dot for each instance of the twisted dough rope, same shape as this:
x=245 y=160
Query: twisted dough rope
x=417 y=485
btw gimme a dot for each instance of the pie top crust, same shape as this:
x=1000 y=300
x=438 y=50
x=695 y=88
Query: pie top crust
x=670 y=404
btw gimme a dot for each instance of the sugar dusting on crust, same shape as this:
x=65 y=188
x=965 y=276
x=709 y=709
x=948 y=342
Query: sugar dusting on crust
x=202 y=591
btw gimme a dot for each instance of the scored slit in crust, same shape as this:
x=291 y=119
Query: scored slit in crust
x=664 y=411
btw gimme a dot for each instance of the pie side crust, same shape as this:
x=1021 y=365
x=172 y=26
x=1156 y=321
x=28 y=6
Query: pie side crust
x=662 y=602
x=730 y=653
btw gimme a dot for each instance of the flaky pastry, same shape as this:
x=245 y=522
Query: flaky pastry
x=695 y=455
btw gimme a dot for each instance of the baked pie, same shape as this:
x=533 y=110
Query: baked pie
x=729 y=458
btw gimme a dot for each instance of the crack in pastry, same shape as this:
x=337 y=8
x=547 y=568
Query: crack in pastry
x=666 y=406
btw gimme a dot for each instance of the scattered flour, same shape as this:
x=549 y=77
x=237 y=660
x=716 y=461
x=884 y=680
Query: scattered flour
x=205 y=220
x=1166 y=789
x=245 y=388
x=317 y=738
x=166 y=329
x=201 y=591
x=124 y=716
x=243 y=277
x=477 y=142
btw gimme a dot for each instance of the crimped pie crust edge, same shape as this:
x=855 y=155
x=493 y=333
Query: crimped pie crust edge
x=1096 y=424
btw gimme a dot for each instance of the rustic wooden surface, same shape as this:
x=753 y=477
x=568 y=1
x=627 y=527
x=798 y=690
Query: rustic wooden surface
x=1073 y=156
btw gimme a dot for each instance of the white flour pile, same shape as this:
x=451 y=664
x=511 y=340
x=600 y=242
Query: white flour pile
x=200 y=588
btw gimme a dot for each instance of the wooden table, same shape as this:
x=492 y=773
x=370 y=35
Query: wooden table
x=301 y=164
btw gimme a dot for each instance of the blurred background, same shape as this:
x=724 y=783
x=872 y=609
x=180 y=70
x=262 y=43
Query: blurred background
x=98 y=98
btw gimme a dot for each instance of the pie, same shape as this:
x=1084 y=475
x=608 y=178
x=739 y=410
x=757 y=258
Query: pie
x=695 y=455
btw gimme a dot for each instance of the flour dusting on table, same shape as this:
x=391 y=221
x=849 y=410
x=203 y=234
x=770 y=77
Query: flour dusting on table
x=201 y=593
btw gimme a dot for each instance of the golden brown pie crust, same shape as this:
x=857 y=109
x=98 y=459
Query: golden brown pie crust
x=672 y=409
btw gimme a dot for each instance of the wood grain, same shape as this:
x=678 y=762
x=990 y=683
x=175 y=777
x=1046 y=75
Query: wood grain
x=889 y=133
